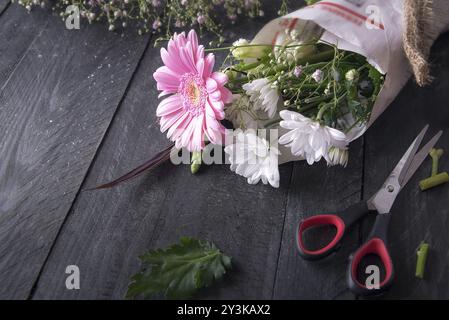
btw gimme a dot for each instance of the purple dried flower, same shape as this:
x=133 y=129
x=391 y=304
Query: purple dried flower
x=297 y=71
x=317 y=75
x=201 y=19
x=156 y=24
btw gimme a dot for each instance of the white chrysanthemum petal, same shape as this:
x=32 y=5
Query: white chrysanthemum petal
x=309 y=139
x=264 y=95
x=338 y=156
x=254 y=158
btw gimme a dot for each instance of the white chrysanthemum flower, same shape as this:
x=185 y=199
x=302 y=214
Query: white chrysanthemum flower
x=338 y=156
x=308 y=138
x=288 y=48
x=264 y=95
x=253 y=158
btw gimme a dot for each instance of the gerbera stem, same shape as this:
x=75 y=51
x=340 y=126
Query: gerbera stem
x=196 y=162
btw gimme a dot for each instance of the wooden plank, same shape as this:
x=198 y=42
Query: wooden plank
x=416 y=215
x=55 y=109
x=18 y=30
x=3 y=5
x=318 y=189
x=108 y=229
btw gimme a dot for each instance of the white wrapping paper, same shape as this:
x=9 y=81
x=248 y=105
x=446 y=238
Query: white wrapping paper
x=372 y=28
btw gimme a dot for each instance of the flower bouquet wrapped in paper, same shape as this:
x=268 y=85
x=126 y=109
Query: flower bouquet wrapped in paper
x=307 y=85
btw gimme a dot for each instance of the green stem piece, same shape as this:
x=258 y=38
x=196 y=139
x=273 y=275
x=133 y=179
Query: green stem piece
x=319 y=57
x=196 y=162
x=423 y=249
x=272 y=122
x=434 y=181
x=435 y=154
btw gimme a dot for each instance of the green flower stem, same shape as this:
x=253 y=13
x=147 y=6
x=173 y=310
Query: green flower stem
x=249 y=66
x=258 y=45
x=435 y=154
x=434 y=181
x=321 y=111
x=421 y=261
x=317 y=99
x=196 y=162
x=307 y=107
x=272 y=122
x=319 y=57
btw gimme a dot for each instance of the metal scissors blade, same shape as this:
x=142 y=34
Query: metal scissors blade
x=383 y=200
x=419 y=158
x=401 y=168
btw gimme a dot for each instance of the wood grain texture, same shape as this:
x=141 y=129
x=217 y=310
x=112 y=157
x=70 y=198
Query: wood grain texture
x=54 y=110
x=314 y=190
x=107 y=230
x=18 y=29
x=416 y=215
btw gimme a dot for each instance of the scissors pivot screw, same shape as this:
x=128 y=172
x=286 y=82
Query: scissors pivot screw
x=390 y=188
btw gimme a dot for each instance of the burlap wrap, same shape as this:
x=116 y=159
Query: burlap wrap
x=425 y=20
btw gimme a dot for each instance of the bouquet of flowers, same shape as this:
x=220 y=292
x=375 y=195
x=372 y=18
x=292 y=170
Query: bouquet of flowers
x=307 y=85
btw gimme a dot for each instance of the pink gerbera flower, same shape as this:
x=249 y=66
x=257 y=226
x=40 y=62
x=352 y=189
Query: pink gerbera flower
x=196 y=105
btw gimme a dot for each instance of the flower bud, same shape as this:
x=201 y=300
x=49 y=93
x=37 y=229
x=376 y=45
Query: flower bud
x=242 y=49
x=352 y=75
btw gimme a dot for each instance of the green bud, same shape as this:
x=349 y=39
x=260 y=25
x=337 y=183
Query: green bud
x=242 y=49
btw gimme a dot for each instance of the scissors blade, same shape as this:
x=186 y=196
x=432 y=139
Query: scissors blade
x=404 y=164
x=383 y=200
x=419 y=158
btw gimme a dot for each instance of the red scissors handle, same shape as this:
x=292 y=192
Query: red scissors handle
x=375 y=245
x=340 y=221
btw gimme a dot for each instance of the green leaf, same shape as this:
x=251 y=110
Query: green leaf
x=377 y=79
x=179 y=270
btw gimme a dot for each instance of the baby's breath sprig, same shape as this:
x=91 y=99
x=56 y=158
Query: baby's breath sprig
x=158 y=16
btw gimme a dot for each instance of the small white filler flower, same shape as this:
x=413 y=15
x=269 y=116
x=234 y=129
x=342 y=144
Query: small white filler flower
x=308 y=138
x=264 y=95
x=253 y=158
x=338 y=156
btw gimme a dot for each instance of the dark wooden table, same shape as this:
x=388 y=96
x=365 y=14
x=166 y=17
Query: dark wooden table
x=77 y=108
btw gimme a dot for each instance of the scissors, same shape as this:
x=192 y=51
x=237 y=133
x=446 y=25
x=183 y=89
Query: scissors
x=381 y=202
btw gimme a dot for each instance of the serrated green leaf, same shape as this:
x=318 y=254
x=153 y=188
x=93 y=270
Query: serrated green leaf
x=179 y=270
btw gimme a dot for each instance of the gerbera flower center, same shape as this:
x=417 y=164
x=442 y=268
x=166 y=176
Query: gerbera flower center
x=193 y=93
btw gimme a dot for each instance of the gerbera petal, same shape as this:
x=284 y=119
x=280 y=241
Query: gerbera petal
x=211 y=85
x=166 y=79
x=171 y=63
x=220 y=77
x=169 y=105
x=226 y=95
x=208 y=65
x=168 y=122
x=200 y=66
x=198 y=138
x=178 y=128
x=193 y=38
